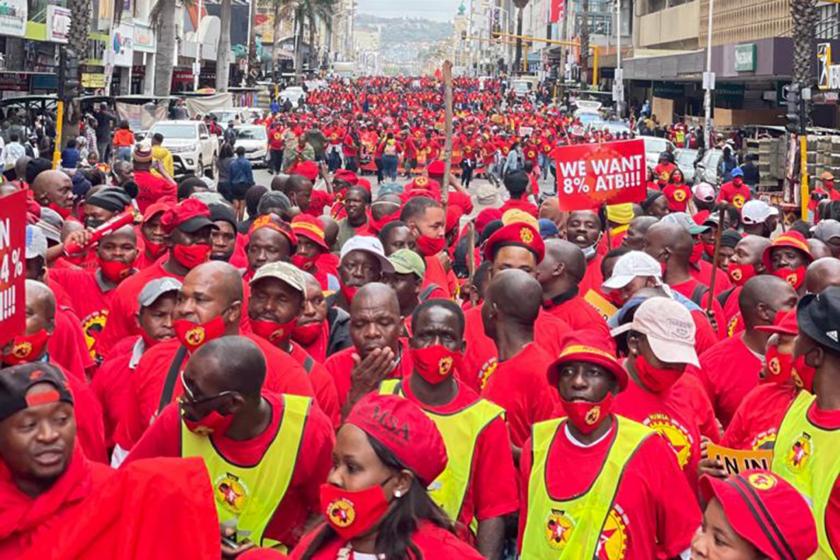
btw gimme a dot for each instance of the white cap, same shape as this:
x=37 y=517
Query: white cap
x=630 y=266
x=669 y=329
x=36 y=243
x=703 y=192
x=757 y=211
x=370 y=245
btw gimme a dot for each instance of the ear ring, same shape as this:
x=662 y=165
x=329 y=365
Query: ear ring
x=398 y=494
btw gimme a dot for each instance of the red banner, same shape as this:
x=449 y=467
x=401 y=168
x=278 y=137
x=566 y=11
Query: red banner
x=589 y=175
x=12 y=265
x=557 y=9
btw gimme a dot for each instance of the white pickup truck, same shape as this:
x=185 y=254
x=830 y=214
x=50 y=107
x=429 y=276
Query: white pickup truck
x=194 y=149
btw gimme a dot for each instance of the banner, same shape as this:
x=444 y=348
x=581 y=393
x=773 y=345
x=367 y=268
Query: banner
x=557 y=9
x=58 y=24
x=601 y=304
x=735 y=461
x=590 y=175
x=13 y=15
x=12 y=265
x=142 y=117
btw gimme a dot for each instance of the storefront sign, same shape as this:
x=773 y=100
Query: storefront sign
x=144 y=38
x=58 y=24
x=668 y=90
x=13 y=14
x=594 y=174
x=827 y=72
x=93 y=80
x=120 y=46
x=745 y=57
x=13 y=81
x=12 y=265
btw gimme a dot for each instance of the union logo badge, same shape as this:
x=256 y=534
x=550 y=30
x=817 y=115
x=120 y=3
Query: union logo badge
x=791 y=279
x=679 y=195
x=22 y=350
x=799 y=453
x=231 y=493
x=195 y=336
x=421 y=181
x=676 y=435
x=445 y=366
x=526 y=235
x=774 y=367
x=593 y=416
x=761 y=481
x=341 y=512
x=276 y=335
x=612 y=544
x=738 y=200
x=558 y=529
x=736 y=274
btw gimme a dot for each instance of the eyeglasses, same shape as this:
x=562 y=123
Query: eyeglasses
x=191 y=398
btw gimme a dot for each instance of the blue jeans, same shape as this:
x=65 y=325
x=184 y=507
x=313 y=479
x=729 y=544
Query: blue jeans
x=389 y=166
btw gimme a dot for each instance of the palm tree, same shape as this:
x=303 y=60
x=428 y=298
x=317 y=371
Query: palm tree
x=79 y=26
x=520 y=5
x=804 y=16
x=163 y=19
x=223 y=52
x=323 y=10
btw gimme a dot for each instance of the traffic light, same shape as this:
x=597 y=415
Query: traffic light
x=795 y=121
x=69 y=85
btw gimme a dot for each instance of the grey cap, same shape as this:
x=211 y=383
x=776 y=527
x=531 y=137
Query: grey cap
x=826 y=229
x=36 y=243
x=51 y=224
x=283 y=271
x=156 y=288
x=685 y=221
x=273 y=199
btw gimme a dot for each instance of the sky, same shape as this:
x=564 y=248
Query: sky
x=439 y=10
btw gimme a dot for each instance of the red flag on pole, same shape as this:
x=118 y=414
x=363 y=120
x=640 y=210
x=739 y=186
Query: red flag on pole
x=557 y=9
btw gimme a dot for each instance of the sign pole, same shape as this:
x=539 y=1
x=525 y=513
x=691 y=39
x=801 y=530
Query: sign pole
x=59 y=124
x=805 y=194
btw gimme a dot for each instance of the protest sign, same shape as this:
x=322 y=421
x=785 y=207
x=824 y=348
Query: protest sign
x=589 y=175
x=735 y=461
x=601 y=304
x=12 y=265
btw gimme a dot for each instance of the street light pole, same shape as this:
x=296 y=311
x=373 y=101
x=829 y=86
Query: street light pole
x=619 y=72
x=197 y=66
x=708 y=81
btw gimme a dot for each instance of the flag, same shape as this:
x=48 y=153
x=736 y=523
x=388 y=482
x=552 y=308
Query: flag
x=558 y=7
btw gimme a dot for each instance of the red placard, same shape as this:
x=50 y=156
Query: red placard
x=12 y=265
x=589 y=175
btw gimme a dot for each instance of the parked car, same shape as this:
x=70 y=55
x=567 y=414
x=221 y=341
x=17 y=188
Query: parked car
x=685 y=159
x=707 y=167
x=655 y=146
x=224 y=116
x=254 y=139
x=293 y=94
x=194 y=149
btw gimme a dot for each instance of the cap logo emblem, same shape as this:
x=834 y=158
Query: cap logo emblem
x=341 y=512
x=526 y=235
x=22 y=350
x=445 y=366
x=832 y=335
x=558 y=529
x=761 y=481
x=37 y=374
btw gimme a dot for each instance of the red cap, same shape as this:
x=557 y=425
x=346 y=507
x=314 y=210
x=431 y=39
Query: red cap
x=790 y=238
x=364 y=183
x=190 y=215
x=701 y=217
x=453 y=216
x=519 y=234
x=405 y=430
x=308 y=169
x=423 y=183
x=784 y=323
x=273 y=221
x=154 y=209
x=766 y=511
x=310 y=227
x=485 y=217
x=347 y=176
x=436 y=168
x=591 y=347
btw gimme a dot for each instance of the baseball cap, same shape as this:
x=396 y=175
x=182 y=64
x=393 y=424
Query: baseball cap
x=591 y=347
x=370 y=245
x=757 y=212
x=548 y=228
x=156 y=288
x=283 y=271
x=16 y=381
x=783 y=323
x=222 y=213
x=669 y=329
x=36 y=243
x=632 y=265
x=51 y=224
x=405 y=430
x=189 y=215
x=685 y=221
x=825 y=230
x=704 y=192
x=737 y=172
x=406 y=261
x=765 y=510
x=818 y=317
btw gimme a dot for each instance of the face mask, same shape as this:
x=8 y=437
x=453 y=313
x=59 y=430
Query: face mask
x=306 y=334
x=793 y=276
x=696 y=253
x=93 y=223
x=740 y=273
x=349 y=292
x=778 y=369
x=26 y=348
x=63 y=212
x=155 y=249
x=709 y=249
x=193 y=335
x=589 y=252
x=274 y=332
x=737 y=181
x=213 y=423
x=615 y=297
x=429 y=246
x=303 y=262
x=115 y=271
x=148 y=341
x=190 y=256
x=657 y=380
x=803 y=374
x=587 y=416
x=435 y=363
x=352 y=514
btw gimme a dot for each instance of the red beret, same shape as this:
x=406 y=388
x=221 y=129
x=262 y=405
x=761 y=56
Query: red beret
x=190 y=215
x=364 y=183
x=485 y=217
x=308 y=169
x=519 y=234
x=436 y=168
x=273 y=221
x=421 y=182
x=790 y=238
x=453 y=216
x=347 y=176
x=591 y=347
x=405 y=430
x=310 y=227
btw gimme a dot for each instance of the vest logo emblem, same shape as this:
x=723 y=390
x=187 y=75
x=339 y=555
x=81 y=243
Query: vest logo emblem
x=445 y=366
x=341 y=512
x=799 y=453
x=526 y=235
x=231 y=493
x=761 y=481
x=612 y=544
x=676 y=435
x=558 y=529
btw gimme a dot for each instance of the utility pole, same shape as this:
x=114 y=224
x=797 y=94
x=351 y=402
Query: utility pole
x=708 y=82
x=197 y=64
x=618 y=81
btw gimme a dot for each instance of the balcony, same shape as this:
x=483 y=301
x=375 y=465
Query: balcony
x=674 y=27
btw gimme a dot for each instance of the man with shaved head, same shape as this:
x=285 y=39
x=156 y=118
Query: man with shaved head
x=635 y=238
x=245 y=433
x=518 y=384
x=732 y=367
x=818 y=248
x=745 y=263
x=821 y=274
x=560 y=274
x=377 y=353
x=54 y=189
x=209 y=306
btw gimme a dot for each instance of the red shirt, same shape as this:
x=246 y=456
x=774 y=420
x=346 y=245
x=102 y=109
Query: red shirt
x=520 y=386
x=659 y=512
x=432 y=541
x=734 y=195
x=322 y=382
x=592 y=278
x=437 y=275
x=66 y=346
x=677 y=196
x=283 y=375
x=705 y=336
x=579 y=315
x=703 y=274
x=111 y=387
x=729 y=370
x=151 y=189
x=520 y=204
x=314 y=461
x=275 y=139
x=756 y=421
x=341 y=364
x=687 y=289
x=492 y=490
x=732 y=307
x=830 y=420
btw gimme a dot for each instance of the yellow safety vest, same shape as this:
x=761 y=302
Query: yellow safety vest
x=250 y=495
x=571 y=529
x=460 y=433
x=807 y=457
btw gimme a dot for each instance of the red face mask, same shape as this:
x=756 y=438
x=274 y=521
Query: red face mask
x=587 y=416
x=306 y=334
x=349 y=292
x=737 y=181
x=428 y=246
x=303 y=262
x=779 y=366
x=155 y=249
x=740 y=273
x=63 y=212
x=352 y=514
x=435 y=363
x=115 y=271
x=213 y=423
x=803 y=374
x=190 y=256
x=793 y=276
x=696 y=253
x=26 y=348
x=193 y=335
x=615 y=297
x=657 y=380
x=709 y=249
x=274 y=332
